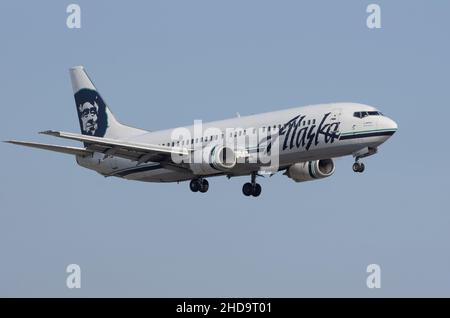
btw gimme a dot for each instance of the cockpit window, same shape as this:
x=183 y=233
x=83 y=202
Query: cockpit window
x=365 y=114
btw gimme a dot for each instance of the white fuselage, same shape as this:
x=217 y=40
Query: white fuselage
x=307 y=133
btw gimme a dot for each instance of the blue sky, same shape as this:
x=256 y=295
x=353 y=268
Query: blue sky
x=160 y=64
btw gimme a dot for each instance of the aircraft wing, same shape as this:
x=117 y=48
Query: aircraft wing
x=121 y=148
x=61 y=149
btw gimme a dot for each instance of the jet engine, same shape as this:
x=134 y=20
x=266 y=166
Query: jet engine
x=310 y=170
x=213 y=159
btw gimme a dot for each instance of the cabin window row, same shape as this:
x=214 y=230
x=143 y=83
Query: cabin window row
x=243 y=132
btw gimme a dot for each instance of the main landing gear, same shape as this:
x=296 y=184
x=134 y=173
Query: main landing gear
x=252 y=188
x=358 y=166
x=200 y=184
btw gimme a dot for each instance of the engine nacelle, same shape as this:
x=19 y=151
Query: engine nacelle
x=214 y=159
x=306 y=171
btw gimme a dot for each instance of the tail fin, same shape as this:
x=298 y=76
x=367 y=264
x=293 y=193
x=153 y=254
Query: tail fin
x=94 y=116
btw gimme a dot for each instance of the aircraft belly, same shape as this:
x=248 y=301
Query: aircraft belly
x=159 y=175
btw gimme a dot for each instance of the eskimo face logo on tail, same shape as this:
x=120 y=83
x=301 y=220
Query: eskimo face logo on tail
x=91 y=112
x=89 y=117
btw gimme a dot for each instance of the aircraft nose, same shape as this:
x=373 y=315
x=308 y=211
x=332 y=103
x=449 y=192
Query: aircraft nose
x=389 y=124
x=392 y=124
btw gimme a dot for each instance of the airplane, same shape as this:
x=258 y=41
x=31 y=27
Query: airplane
x=303 y=142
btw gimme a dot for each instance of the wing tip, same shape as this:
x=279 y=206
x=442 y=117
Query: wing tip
x=15 y=142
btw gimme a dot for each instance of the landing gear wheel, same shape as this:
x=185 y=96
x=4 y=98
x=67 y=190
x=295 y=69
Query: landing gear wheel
x=256 y=190
x=361 y=168
x=358 y=167
x=204 y=186
x=252 y=188
x=247 y=189
x=194 y=185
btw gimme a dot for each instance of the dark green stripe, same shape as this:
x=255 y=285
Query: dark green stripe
x=365 y=135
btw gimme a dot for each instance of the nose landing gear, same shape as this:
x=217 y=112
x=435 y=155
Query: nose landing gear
x=358 y=167
x=362 y=153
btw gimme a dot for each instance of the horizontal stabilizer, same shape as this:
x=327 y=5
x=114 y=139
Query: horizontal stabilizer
x=61 y=149
x=126 y=149
x=133 y=146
